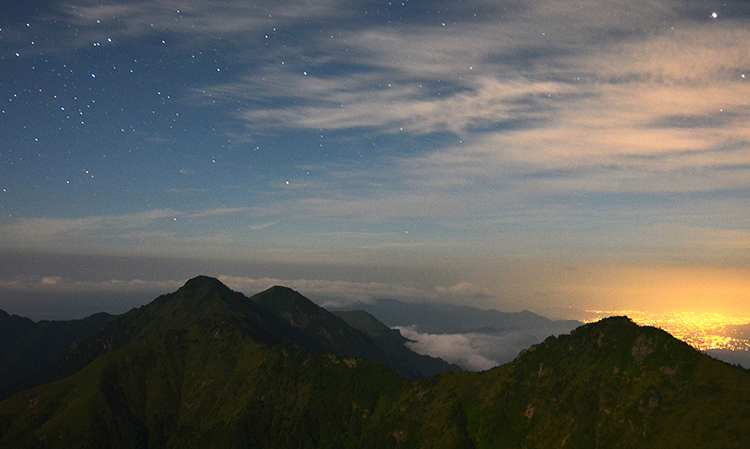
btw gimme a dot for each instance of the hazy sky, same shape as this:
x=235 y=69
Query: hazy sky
x=510 y=154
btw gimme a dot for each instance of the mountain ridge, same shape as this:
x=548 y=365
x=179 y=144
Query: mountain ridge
x=606 y=385
x=222 y=380
x=453 y=319
x=275 y=315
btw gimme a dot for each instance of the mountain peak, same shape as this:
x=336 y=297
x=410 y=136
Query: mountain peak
x=285 y=300
x=614 y=343
x=203 y=282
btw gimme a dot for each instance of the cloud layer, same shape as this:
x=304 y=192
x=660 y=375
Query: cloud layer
x=474 y=351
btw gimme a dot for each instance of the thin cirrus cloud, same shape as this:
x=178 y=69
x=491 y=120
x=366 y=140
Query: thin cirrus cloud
x=191 y=20
x=631 y=115
x=576 y=110
x=45 y=228
x=155 y=227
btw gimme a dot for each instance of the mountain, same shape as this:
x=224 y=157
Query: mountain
x=610 y=384
x=331 y=333
x=739 y=331
x=473 y=338
x=732 y=356
x=212 y=385
x=452 y=319
x=27 y=347
x=392 y=342
x=279 y=314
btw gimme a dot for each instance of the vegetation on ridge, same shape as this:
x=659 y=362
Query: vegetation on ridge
x=217 y=383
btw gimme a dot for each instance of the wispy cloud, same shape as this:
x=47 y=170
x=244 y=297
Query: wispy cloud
x=224 y=211
x=192 y=22
x=569 y=98
x=154 y=230
x=491 y=127
x=62 y=284
x=40 y=229
x=623 y=112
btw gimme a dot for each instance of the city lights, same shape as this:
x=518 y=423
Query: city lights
x=703 y=331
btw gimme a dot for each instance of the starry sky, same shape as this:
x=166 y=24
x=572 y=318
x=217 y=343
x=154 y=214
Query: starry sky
x=575 y=154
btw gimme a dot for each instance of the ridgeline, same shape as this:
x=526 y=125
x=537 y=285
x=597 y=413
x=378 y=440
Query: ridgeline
x=208 y=367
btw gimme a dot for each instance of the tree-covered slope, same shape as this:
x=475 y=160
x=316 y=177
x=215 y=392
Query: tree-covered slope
x=610 y=384
x=273 y=316
x=223 y=382
x=333 y=333
x=213 y=385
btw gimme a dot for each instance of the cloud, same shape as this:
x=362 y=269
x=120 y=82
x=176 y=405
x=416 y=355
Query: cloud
x=462 y=289
x=568 y=123
x=48 y=228
x=51 y=280
x=166 y=231
x=554 y=100
x=562 y=98
x=262 y=226
x=472 y=351
x=192 y=22
x=61 y=284
x=222 y=211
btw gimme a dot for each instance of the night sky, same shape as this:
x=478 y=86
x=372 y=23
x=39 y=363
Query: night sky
x=508 y=154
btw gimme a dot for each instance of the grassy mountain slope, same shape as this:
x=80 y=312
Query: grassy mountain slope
x=200 y=298
x=610 y=384
x=228 y=381
x=276 y=315
x=213 y=385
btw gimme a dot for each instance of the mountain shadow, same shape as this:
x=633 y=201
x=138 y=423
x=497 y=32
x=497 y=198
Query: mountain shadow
x=28 y=347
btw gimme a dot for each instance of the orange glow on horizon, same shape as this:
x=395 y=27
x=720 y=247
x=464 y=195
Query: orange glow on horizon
x=668 y=289
x=703 y=331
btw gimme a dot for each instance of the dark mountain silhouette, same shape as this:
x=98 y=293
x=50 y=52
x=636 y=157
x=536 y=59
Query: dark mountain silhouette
x=608 y=384
x=331 y=333
x=27 y=347
x=251 y=374
x=733 y=357
x=452 y=319
x=271 y=317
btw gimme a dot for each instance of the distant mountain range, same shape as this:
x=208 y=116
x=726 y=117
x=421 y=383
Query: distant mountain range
x=452 y=319
x=41 y=352
x=208 y=367
x=473 y=338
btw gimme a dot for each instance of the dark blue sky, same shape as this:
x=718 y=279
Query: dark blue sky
x=484 y=144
